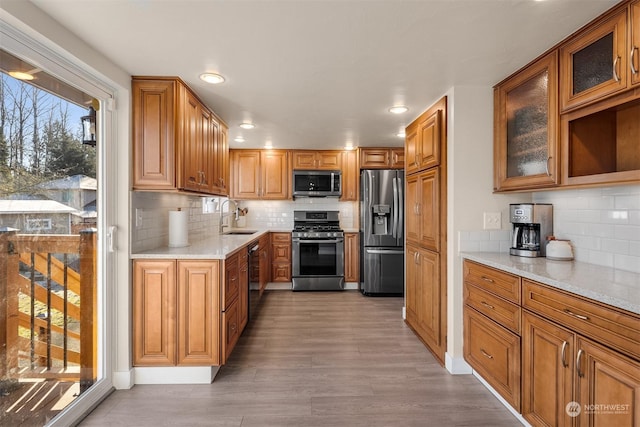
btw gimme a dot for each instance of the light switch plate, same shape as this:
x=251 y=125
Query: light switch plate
x=492 y=221
x=138 y=217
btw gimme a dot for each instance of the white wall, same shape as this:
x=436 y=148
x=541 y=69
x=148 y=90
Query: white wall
x=470 y=194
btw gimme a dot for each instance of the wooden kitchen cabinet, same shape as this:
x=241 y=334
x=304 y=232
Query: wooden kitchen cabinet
x=264 y=261
x=381 y=158
x=492 y=328
x=317 y=160
x=350 y=176
x=351 y=257
x=198 y=310
x=176 y=313
x=422 y=204
x=280 y=257
x=494 y=352
x=526 y=128
x=425 y=297
x=176 y=138
x=595 y=62
x=235 y=300
x=220 y=182
x=599 y=370
x=423 y=142
x=260 y=174
x=154 y=312
x=243 y=283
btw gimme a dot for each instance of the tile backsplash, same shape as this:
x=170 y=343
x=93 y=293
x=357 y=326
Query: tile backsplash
x=151 y=229
x=603 y=225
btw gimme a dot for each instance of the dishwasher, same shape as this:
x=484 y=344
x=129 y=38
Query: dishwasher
x=254 y=278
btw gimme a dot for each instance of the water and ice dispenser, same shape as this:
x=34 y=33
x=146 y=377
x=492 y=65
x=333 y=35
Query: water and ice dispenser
x=381 y=214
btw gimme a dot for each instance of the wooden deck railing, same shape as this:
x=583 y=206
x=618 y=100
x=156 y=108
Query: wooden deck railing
x=48 y=310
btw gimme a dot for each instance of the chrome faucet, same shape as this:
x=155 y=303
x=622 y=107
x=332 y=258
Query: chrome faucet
x=222 y=215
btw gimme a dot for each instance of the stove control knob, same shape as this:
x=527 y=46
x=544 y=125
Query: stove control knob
x=304 y=234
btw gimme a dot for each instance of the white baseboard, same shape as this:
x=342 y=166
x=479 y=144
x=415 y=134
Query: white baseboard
x=176 y=375
x=123 y=380
x=501 y=399
x=456 y=365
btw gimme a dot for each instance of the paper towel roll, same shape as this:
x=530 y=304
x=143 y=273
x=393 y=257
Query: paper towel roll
x=178 y=229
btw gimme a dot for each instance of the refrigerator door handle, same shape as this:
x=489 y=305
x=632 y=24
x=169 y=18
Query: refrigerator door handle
x=394 y=231
x=385 y=251
x=400 y=211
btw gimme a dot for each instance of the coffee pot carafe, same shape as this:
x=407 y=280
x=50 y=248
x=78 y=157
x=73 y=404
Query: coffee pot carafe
x=532 y=224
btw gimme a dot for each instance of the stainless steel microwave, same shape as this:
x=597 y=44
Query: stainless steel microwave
x=317 y=183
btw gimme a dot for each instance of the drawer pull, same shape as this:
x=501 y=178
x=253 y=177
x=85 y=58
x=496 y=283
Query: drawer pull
x=486 y=304
x=564 y=353
x=487 y=279
x=578 y=316
x=578 y=360
x=487 y=355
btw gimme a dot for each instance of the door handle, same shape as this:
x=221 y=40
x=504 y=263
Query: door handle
x=564 y=353
x=384 y=251
x=394 y=231
x=111 y=238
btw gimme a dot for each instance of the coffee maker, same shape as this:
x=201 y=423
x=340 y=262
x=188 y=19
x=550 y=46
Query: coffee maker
x=532 y=224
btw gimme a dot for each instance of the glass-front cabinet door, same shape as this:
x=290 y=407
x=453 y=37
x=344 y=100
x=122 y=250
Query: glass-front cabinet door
x=595 y=64
x=526 y=128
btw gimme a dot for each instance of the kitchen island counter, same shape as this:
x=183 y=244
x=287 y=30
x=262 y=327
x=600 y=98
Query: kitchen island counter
x=214 y=247
x=617 y=288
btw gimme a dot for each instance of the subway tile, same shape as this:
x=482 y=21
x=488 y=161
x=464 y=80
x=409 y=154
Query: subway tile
x=627 y=262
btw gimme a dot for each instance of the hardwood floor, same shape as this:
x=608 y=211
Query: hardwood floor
x=317 y=359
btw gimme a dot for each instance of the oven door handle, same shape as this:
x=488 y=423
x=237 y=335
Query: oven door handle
x=384 y=251
x=317 y=241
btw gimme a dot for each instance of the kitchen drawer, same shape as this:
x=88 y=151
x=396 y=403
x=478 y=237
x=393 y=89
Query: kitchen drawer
x=495 y=281
x=504 y=312
x=230 y=329
x=494 y=352
x=281 y=238
x=281 y=272
x=231 y=288
x=280 y=253
x=615 y=328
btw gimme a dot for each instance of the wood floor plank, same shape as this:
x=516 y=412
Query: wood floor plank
x=317 y=359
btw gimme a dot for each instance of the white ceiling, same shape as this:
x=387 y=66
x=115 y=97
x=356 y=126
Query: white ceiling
x=316 y=74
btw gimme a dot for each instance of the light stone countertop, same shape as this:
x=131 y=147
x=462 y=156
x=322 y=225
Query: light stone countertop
x=216 y=247
x=607 y=285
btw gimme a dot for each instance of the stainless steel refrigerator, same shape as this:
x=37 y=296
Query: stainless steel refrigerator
x=382 y=232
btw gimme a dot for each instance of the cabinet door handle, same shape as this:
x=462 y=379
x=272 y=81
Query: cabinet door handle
x=547 y=165
x=486 y=304
x=616 y=77
x=632 y=58
x=485 y=354
x=564 y=353
x=487 y=279
x=578 y=360
x=578 y=316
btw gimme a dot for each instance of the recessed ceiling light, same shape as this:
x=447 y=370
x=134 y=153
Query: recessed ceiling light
x=239 y=139
x=212 y=78
x=398 y=109
x=20 y=75
x=247 y=125
x=401 y=134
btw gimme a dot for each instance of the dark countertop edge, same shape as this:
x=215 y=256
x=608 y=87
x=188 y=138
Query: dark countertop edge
x=593 y=273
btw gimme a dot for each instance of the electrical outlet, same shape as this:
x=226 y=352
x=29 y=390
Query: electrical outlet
x=138 y=217
x=492 y=221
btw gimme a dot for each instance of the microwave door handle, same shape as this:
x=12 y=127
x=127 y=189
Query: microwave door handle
x=394 y=231
x=332 y=182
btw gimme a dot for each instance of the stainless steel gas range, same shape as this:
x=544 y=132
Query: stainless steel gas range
x=317 y=244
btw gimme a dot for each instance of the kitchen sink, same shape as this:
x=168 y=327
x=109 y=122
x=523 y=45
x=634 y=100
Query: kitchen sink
x=233 y=232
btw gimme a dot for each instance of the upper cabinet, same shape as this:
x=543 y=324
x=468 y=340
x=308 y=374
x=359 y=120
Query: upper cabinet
x=260 y=174
x=595 y=63
x=526 y=127
x=422 y=143
x=178 y=143
x=320 y=160
x=381 y=158
x=572 y=117
x=350 y=176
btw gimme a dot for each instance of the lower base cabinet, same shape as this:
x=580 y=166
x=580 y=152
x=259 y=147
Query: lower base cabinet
x=577 y=360
x=176 y=313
